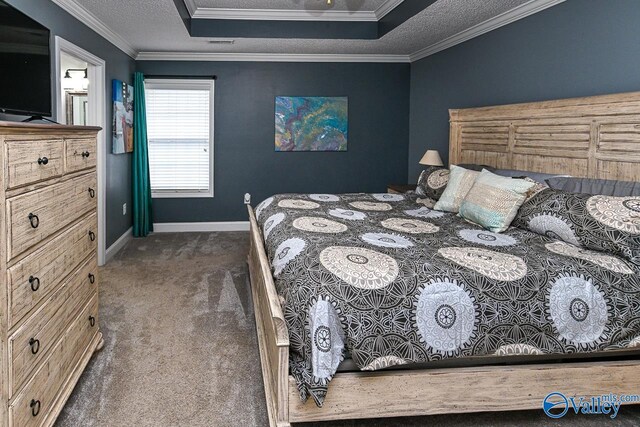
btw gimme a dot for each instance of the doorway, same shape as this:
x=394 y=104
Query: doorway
x=81 y=100
x=74 y=90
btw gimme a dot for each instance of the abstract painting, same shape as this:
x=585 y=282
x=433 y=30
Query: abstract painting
x=311 y=123
x=122 y=117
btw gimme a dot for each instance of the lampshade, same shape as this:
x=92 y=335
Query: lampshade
x=431 y=158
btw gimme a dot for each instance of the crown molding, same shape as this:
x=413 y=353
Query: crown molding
x=89 y=19
x=283 y=14
x=386 y=7
x=290 y=14
x=519 y=12
x=268 y=57
x=191 y=6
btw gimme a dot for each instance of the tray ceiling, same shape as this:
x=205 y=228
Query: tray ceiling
x=155 y=26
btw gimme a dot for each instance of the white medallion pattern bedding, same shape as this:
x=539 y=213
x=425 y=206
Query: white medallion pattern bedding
x=393 y=282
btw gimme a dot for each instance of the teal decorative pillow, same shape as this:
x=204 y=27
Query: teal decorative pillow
x=494 y=200
x=460 y=182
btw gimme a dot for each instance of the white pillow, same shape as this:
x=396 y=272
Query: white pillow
x=460 y=182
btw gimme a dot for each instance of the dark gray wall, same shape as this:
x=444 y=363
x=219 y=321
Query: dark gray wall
x=245 y=160
x=118 y=66
x=577 y=48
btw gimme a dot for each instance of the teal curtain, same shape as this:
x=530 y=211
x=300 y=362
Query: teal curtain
x=142 y=215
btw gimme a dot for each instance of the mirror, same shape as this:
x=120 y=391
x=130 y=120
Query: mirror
x=76 y=103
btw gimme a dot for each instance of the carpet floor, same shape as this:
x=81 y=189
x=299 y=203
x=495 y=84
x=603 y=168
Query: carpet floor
x=181 y=347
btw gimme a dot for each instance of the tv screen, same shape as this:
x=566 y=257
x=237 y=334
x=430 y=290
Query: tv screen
x=25 y=70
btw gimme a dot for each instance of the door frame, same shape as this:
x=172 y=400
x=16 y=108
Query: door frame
x=97 y=116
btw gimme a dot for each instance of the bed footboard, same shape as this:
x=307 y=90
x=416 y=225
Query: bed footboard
x=273 y=337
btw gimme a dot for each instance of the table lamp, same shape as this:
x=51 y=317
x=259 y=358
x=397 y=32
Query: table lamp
x=431 y=158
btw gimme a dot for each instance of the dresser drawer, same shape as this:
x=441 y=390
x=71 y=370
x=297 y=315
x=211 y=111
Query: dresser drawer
x=80 y=154
x=35 y=216
x=45 y=268
x=31 y=406
x=35 y=338
x=33 y=161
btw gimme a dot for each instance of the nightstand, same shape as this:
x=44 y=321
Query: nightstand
x=400 y=188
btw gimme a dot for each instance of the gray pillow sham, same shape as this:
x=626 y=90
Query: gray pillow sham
x=536 y=176
x=477 y=168
x=604 y=187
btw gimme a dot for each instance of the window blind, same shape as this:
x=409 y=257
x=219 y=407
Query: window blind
x=178 y=131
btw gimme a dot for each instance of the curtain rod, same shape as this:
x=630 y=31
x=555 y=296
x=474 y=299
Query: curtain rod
x=173 y=76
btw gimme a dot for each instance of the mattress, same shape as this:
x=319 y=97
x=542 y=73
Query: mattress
x=392 y=283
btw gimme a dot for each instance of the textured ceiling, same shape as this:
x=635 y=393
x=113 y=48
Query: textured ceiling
x=347 y=5
x=154 y=26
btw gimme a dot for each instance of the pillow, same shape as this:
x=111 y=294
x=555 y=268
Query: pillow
x=432 y=182
x=474 y=167
x=494 y=200
x=603 y=223
x=460 y=182
x=536 y=176
x=535 y=189
x=605 y=187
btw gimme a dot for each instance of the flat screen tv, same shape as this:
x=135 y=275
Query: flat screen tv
x=25 y=64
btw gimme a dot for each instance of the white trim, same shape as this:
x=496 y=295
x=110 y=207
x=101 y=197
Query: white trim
x=267 y=57
x=284 y=14
x=387 y=7
x=90 y=20
x=522 y=11
x=191 y=6
x=188 y=227
x=208 y=84
x=291 y=14
x=97 y=117
x=119 y=244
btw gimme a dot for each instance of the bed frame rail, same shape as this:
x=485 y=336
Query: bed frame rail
x=273 y=336
x=459 y=390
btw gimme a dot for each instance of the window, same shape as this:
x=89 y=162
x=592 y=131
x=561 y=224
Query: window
x=180 y=134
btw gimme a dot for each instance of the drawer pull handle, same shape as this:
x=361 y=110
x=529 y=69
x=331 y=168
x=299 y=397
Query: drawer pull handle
x=92 y=236
x=43 y=161
x=85 y=154
x=92 y=192
x=34 y=220
x=35 y=345
x=92 y=278
x=34 y=282
x=92 y=321
x=35 y=407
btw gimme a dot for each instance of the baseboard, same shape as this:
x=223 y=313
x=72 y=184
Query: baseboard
x=119 y=244
x=185 y=227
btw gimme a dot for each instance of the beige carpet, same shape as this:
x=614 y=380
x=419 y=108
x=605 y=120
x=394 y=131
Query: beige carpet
x=181 y=349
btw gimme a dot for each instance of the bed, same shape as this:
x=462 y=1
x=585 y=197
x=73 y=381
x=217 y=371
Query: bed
x=597 y=137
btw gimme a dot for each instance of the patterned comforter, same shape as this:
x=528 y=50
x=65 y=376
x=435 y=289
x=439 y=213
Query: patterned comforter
x=393 y=282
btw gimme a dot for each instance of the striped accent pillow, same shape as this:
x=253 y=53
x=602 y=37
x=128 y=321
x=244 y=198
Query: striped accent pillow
x=494 y=200
x=460 y=182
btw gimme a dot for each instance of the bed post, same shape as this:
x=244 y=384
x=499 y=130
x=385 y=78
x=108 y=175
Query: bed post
x=273 y=336
x=454 y=140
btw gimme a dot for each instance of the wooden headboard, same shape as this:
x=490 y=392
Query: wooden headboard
x=595 y=137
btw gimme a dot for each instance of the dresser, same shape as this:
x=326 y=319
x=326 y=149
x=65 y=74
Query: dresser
x=48 y=261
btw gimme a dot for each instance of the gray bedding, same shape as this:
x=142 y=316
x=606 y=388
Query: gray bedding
x=395 y=283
